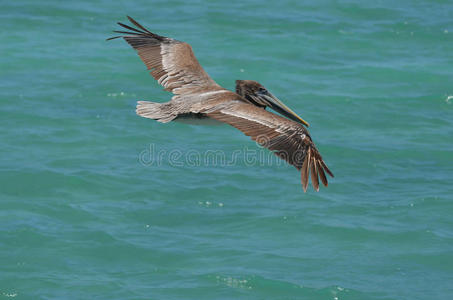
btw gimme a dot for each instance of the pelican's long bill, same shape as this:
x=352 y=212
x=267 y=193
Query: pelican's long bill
x=278 y=106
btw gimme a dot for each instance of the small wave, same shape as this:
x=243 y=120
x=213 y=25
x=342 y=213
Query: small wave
x=120 y=94
x=10 y=295
x=233 y=282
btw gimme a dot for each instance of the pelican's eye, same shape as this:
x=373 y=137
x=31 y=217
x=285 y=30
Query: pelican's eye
x=262 y=91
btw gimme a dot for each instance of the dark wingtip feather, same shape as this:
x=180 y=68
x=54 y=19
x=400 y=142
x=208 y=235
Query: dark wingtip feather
x=138 y=25
x=112 y=38
x=130 y=28
x=303 y=176
x=321 y=173
x=146 y=31
x=134 y=32
x=303 y=179
x=120 y=36
x=314 y=175
x=305 y=171
x=326 y=168
x=127 y=32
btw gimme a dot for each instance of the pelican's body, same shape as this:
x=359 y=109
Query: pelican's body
x=197 y=98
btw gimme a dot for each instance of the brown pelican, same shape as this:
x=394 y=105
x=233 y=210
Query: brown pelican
x=196 y=96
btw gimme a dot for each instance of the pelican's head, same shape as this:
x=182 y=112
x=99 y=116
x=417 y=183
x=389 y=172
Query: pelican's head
x=257 y=94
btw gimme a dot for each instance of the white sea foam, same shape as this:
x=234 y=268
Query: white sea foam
x=10 y=295
x=120 y=94
x=233 y=282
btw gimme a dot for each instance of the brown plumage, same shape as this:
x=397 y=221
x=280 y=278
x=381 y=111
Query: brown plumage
x=196 y=96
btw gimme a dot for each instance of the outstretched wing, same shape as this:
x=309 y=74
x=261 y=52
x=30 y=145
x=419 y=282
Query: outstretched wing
x=171 y=62
x=287 y=139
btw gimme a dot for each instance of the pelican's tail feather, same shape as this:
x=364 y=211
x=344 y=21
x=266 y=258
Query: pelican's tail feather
x=157 y=111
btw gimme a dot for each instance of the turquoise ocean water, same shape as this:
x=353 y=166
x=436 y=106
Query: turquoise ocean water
x=89 y=210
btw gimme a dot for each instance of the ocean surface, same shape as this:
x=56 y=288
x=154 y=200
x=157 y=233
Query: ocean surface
x=98 y=203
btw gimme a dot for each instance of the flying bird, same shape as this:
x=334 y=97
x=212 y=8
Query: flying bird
x=198 y=97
